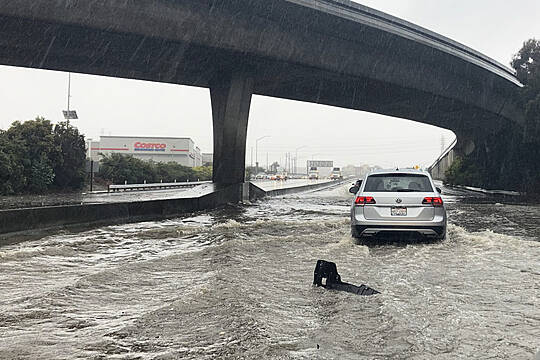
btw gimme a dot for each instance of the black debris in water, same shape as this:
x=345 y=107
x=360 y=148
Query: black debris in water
x=327 y=270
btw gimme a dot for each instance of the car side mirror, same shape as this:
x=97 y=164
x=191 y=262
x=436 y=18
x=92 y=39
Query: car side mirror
x=439 y=190
x=354 y=189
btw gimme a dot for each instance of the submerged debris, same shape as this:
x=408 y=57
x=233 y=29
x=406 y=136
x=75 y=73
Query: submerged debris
x=327 y=271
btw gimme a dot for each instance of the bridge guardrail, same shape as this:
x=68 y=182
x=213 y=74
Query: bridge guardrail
x=154 y=186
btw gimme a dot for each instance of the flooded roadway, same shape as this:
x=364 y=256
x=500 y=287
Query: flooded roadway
x=236 y=283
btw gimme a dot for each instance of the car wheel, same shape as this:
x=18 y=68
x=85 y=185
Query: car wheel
x=443 y=236
x=356 y=236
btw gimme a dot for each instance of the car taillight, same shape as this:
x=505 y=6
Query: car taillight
x=362 y=200
x=435 y=201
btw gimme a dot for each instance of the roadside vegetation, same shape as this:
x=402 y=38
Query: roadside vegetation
x=37 y=157
x=119 y=168
x=510 y=158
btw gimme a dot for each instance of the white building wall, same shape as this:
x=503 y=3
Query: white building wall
x=159 y=149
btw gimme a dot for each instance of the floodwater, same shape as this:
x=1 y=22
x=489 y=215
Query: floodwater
x=236 y=283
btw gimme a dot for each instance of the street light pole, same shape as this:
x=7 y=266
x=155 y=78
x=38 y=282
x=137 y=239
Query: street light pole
x=91 y=164
x=69 y=91
x=69 y=114
x=68 y=95
x=257 y=152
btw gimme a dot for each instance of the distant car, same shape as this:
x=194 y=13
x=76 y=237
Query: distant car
x=313 y=173
x=402 y=201
x=336 y=174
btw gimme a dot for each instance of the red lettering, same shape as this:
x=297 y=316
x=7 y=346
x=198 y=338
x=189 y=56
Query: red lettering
x=140 y=145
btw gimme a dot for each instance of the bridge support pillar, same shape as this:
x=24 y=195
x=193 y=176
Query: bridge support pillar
x=231 y=98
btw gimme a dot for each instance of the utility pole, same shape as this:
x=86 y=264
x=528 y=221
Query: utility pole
x=91 y=175
x=68 y=96
x=257 y=152
x=69 y=91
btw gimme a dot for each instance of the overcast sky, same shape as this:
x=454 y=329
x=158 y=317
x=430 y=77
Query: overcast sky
x=108 y=106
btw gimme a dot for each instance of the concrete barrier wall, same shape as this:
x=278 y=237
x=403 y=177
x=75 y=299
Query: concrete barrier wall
x=438 y=170
x=19 y=220
x=256 y=192
x=51 y=217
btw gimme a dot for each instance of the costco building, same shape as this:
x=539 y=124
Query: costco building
x=159 y=149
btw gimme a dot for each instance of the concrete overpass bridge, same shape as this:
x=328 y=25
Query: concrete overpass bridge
x=332 y=52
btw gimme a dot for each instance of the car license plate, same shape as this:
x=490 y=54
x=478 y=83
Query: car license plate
x=398 y=211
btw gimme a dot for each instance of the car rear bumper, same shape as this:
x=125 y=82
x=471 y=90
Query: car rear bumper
x=373 y=230
x=431 y=228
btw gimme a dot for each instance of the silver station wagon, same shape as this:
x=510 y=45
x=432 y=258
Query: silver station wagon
x=397 y=201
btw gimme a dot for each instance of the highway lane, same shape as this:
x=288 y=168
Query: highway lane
x=236 y=283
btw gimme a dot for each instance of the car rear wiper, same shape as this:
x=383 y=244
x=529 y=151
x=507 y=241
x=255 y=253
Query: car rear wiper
x=405 y=190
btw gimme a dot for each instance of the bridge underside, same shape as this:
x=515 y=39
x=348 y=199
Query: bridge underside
x=83 y=50
x=398 y=77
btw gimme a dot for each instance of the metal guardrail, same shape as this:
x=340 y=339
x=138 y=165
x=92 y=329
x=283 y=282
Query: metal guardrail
x=444 y=153
x=154 y=186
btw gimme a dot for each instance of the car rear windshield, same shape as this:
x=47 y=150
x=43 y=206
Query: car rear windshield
x=398 y=183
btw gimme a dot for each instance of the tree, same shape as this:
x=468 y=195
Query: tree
x=120 y=168
x=41 y=176
x=12 y=179
x=69 y=168
x=35 y=158
x=510 y=158
x=527 y=65
x=464 y=172
x=203 y=173
x=250 y=172
x=171 y=171
x=33 y=147
x=274 y=167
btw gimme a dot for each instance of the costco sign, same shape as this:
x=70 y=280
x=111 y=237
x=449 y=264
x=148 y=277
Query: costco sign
x=140 y=146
